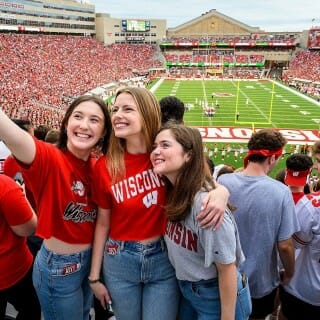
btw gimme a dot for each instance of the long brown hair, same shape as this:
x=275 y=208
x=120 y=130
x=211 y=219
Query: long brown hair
x=193 y=176
x=149 y=109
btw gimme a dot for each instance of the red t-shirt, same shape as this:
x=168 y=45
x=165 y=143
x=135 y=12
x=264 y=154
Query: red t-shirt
x=15 y=257
x=297 y=196
x=136 y=202
x=10 y=168
x=61 y=186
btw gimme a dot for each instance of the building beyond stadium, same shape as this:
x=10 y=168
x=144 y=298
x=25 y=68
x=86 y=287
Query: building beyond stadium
x=76 y=18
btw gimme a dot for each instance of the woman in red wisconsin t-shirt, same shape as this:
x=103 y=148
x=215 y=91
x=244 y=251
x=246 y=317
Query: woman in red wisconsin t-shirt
x=131 y=219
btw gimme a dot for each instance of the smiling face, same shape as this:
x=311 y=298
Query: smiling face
x=126 y=119
x=168 y=156
x=84 y=128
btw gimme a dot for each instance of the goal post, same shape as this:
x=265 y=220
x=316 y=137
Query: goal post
x=253 y=124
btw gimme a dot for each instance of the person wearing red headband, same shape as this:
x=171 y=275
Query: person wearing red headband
x=300 y=297
x=266 y=220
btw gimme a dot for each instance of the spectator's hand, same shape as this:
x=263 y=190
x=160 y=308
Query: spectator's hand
x=213 y=207
x=101 y=293
x=284 y=278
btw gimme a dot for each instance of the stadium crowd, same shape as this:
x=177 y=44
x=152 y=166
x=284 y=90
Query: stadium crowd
x=303 y=72
x=49 y=71
x=42 y=73
x=234 y=39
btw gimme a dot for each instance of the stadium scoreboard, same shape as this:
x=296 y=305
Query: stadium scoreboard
x=130 y=25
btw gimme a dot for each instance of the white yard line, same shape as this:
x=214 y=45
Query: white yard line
x=256 y=107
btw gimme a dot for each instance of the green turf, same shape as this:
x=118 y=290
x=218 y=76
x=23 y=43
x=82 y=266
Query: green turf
x=267 y=106
x=260 y=104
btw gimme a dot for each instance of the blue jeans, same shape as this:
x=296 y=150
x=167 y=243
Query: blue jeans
x=141 y=281
x=61 y=283
x=201 y=300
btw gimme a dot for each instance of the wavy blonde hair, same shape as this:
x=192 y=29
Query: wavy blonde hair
x=150 y=113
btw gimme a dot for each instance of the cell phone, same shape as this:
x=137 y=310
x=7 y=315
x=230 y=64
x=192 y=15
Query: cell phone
x=18 y=178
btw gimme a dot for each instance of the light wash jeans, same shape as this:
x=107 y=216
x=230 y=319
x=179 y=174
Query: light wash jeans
x=201 y=300
x=140 y=280
x=61 y=283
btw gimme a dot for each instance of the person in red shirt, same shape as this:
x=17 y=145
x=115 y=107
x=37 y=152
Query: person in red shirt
x=136 y=270
x=17 y=221
x=60 y=179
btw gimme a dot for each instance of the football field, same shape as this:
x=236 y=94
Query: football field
x=259 y=103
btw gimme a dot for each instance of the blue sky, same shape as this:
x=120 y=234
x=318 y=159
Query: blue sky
x=268 y=15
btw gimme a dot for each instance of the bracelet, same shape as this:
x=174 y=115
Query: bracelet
x=94 y=281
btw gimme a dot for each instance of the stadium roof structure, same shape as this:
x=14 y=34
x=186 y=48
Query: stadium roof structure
x=214 y=22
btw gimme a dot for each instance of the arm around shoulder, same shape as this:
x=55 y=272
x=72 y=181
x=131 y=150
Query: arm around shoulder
x=213 y=207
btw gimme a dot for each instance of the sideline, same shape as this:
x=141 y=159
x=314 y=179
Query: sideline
x=297 y=93
x=156 y=85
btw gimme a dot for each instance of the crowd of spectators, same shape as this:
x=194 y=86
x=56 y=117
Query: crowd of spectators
x=39 y=74
x=303 y=72
x=214 y=58
x=246 y=38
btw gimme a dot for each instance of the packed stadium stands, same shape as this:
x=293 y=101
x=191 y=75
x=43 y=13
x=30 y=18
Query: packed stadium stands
x=304 y=72
x=42 y=73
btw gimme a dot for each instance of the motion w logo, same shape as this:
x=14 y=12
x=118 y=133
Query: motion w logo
x=150 y=199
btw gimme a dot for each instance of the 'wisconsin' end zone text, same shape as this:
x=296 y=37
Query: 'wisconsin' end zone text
x=232 y=134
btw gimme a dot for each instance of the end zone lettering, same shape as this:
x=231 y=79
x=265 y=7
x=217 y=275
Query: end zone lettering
x=232 y=134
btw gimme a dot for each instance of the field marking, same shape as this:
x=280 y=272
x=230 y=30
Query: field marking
x=258 y=101
x=256 y=107
x=204 y=93
x=243 y=134
x=301 y=95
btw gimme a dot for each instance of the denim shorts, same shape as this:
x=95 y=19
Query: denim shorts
x=201 y=300
x=141 y=281
x=61 y=283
